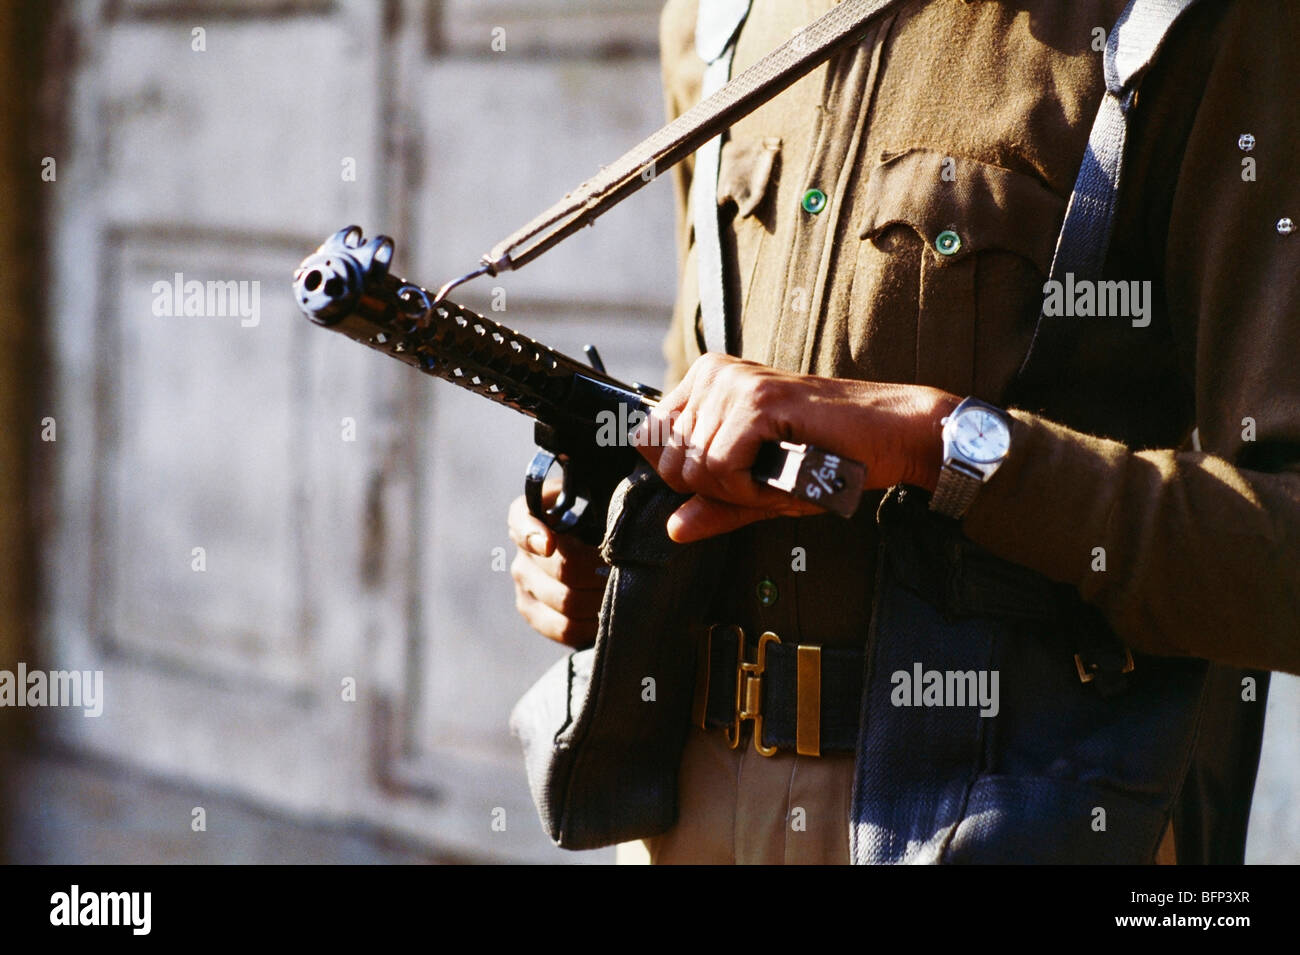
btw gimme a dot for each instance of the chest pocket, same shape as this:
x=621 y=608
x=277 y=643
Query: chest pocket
x=965 y=247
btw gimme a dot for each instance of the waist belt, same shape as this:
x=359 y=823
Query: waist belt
x=802 y=698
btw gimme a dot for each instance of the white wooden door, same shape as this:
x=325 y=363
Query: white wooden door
x=251 y=512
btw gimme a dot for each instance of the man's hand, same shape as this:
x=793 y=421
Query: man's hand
x=559 y=581
x=704 y=434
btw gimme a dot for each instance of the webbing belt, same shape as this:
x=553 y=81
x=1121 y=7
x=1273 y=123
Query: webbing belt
x=802 y=699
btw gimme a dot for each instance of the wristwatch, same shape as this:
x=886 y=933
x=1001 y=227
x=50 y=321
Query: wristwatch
x=976 y=440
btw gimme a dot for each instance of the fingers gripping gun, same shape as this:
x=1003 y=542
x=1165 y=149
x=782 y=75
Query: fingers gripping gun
x=345 y=286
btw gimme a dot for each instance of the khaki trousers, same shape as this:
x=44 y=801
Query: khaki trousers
x=740 y=807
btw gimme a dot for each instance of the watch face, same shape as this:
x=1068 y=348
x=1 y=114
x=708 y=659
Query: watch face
x=981 y=436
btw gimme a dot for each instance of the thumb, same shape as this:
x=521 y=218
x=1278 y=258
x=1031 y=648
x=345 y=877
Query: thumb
x=702 y=517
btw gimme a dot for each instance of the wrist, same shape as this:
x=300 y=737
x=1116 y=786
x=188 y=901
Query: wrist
x=926 y=444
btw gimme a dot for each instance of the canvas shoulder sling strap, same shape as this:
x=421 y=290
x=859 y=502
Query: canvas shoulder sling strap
x=715 y=42
x=1084 y=239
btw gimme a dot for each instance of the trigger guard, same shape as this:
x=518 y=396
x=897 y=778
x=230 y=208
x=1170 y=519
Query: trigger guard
x=567 y=512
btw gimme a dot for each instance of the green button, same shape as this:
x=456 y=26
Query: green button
x=767 y=592
x=814 y=201
x=947 y=242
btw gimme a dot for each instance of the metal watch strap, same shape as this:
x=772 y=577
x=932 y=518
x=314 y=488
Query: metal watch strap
x=954 y=492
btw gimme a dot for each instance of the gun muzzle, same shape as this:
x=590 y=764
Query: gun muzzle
x=330 y=281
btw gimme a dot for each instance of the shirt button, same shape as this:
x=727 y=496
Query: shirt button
x=947 y=242
x=767 y=592
x=814 y=201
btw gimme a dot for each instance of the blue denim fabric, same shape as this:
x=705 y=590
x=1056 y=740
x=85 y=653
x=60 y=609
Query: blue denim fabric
x=1061 y=773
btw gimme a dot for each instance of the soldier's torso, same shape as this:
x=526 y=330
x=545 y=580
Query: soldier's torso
x=890 y=217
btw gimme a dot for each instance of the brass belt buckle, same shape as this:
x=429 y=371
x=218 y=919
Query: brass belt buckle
x=749 y=691
x=1088 y=674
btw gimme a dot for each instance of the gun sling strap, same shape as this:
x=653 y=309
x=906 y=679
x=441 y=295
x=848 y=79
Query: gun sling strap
x=837 y=29
x=1085 y=234
x=717 y=25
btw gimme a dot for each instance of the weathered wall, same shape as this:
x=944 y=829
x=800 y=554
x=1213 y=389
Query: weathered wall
x=252 y=512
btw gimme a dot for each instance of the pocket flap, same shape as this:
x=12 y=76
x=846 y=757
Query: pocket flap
x=984 y=206
x=745 y=171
